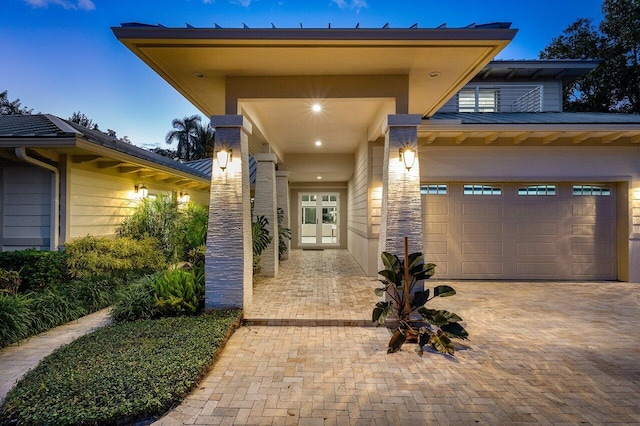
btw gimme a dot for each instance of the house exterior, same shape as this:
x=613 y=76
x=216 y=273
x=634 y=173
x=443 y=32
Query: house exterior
x=60 y=181
x=505 y=185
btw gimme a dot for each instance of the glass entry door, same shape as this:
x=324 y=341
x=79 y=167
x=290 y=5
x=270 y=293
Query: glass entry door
x=319 y=214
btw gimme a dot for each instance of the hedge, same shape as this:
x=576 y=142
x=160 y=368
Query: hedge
x=121 y=373
x=37 y=269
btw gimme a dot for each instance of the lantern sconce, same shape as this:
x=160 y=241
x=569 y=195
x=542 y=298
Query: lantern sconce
x=408 y=156
x=142 y=190
x=223 y=156
x=184 y=197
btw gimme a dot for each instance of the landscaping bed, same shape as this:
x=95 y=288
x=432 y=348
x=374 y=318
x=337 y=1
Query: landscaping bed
x=121 y=373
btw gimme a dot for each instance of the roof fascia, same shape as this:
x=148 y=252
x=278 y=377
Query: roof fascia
x=514 y=127
x=121 y=156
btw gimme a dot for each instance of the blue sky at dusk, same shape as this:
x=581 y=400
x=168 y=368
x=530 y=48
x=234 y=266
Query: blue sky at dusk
x=60 y=56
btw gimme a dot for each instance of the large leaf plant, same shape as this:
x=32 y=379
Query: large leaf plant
x=416 y=323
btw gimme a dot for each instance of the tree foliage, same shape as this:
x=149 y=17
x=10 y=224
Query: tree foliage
x=83 y=120
x=194 y=139
x=614 y=85
x=8 y=107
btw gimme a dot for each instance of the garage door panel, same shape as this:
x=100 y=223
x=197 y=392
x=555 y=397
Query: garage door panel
x=561 y=236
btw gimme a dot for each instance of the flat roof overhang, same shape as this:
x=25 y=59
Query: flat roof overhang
x=178 y=54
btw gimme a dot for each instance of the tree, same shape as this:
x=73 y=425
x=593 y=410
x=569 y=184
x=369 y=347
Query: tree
x=83 y=120
x=186 y=133
x=614 y=85
x=8 y=107
x=204 y=140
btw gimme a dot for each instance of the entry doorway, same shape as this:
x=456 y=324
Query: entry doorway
x=319 y=223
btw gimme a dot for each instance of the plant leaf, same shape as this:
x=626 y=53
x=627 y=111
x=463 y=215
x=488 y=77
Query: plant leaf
x=420 y=298
x=441 y=343
x=415 y=260
x=396 y=342
x=438 y=317
x=381 y=312
x=390 y=261
x=379 y=292
x=391 y=276
x=455 y=330
x=443 y=291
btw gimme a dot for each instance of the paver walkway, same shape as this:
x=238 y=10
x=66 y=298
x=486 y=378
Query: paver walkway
x=548 y=353
x=17 y=359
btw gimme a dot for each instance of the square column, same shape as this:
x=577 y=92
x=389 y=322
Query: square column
x=265 y=204
x=282 y=194
x=229 y=255
x=401 y=201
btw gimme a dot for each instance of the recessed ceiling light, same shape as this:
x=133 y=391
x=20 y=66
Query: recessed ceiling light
x=318 y=143
x=316 y=107
x=199 y=74
x=319 y=177
x=434 y=74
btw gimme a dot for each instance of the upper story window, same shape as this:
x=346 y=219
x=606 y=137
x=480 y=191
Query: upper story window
x=478 y=100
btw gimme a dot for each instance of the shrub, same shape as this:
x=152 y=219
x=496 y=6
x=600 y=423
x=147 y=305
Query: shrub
x=9 y=281
x=93 y=256
x=16 y=318
x=121 y=373
x=38 y=269
x=172 y=293
x=179 y=228
x=135 y=302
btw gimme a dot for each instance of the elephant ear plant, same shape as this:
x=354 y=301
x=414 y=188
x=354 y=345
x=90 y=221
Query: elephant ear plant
x=431 y=327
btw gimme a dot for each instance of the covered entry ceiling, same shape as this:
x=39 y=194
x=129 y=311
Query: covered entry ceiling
x=274 y=75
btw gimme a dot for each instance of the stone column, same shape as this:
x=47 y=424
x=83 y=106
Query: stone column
x=265 y=204
x=282 y=191
x=401 y=203
x=229 y=255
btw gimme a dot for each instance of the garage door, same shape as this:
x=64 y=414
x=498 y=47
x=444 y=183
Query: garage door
x=562 y=231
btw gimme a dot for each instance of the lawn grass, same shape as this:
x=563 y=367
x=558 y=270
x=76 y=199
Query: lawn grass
x=120 y=373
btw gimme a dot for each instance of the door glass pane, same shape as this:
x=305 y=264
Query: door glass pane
x=308 y=215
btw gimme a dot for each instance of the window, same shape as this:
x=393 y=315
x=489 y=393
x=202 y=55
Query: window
x=597 y=190
x=433 y=189
x=329 y=215
x=308 y=198
x=478 y=100
x=480 y=189
x=537 y=190
x=308 y=215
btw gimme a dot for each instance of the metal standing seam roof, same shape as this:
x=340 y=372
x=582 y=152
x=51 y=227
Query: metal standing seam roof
x=49 y=126
x=586 y=118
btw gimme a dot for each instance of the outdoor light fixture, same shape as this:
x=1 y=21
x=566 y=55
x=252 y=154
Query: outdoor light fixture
x=318 y=143
x=408 y=155
x=184 y=197
x=316 y=107
x=223 y=157
x=141 y=189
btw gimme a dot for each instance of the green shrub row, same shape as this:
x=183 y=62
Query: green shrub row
x=25 y=315
x=93 y=256
x=121 y=373
x=171 y=293
x=37 y=269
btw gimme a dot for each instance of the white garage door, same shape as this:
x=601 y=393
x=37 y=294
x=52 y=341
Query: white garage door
x=563 y=231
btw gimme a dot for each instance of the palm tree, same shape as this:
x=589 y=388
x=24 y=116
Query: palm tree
x=204 y=141
x=184 y=132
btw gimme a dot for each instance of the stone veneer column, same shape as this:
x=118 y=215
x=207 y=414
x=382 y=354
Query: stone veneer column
x=282 y=194
x=229 y=255
x=401 y=201
x=265 y=204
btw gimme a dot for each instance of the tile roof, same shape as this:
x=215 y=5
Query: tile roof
x=594 y=118
x=50 y=126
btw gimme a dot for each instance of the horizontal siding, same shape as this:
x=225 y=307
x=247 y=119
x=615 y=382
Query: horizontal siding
x=26 y=208
x=375 y=212
x=510 y=92
x=357 y=198
x=99 y=202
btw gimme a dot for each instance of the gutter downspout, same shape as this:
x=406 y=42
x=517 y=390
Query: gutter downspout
x=21 y=153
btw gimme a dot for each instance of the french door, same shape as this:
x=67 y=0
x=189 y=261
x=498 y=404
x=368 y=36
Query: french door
x=319 y=222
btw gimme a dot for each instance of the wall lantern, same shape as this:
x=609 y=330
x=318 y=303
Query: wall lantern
x=223 y=156
x=141 y=189
x=184 y=197
x=408 y=156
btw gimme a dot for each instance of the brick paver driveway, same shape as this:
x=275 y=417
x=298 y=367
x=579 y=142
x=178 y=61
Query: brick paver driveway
x=550 y=353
